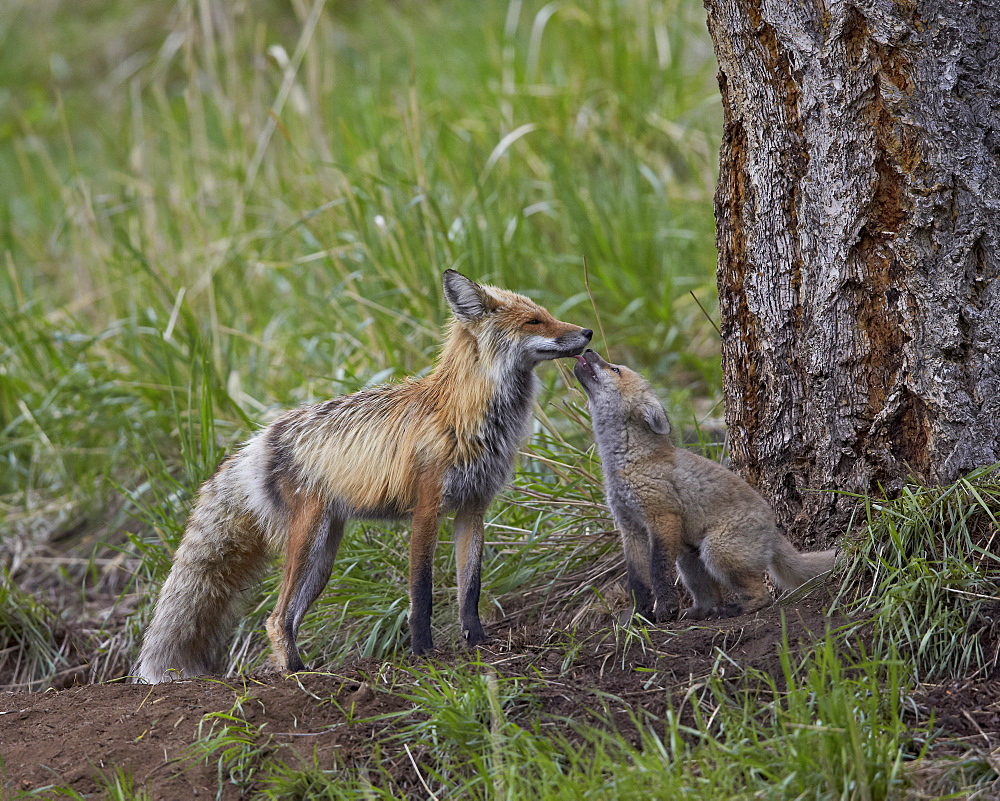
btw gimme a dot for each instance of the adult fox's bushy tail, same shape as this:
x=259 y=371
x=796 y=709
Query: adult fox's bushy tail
x=790 y=568
x=220 y=559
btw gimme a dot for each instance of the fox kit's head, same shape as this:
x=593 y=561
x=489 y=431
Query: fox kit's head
x=510 y=327
x=618 y=396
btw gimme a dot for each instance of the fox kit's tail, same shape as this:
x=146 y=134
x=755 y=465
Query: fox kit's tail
x=220 y=558
x=790 y=569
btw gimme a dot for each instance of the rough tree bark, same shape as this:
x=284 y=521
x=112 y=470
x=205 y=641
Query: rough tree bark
x=858 y=213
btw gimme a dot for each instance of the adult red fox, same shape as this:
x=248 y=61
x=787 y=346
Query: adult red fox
x=415 y=449
x=672 y=506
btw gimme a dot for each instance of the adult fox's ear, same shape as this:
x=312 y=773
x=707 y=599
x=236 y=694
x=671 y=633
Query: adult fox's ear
x=467 y=299
x=655 y=417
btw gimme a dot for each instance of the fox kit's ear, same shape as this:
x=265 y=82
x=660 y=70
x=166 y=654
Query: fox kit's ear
x=467 y=299
x=655 y=417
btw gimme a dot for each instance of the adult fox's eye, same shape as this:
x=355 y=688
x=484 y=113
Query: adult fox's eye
x=533 y=322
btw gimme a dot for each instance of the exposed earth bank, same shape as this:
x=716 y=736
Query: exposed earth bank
x=69 y=737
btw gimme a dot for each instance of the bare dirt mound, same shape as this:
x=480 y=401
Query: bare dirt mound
x=68 y=737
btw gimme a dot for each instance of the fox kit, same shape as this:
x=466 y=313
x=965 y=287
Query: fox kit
x=675 y=507
x=417 y=449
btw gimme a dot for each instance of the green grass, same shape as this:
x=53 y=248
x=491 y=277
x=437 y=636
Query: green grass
x=924 y=567
x=827 y=727
x=214 y=211
x=28 y=645
x=257 y=214
x=236 y=746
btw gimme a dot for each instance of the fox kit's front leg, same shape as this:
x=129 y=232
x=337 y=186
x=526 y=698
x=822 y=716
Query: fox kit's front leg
x=635 y=545
x=664 y=547
x=423 y=539
x=651 y=544
x=469 y=548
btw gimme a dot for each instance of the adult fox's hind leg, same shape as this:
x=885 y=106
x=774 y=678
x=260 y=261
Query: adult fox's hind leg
x=314 y=536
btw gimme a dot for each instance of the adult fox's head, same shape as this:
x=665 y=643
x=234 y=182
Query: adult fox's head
x=618 y=396
x=509 y=327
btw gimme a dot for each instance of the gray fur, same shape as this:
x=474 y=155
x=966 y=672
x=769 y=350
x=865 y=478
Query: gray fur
x=718 y=531
x=214 y=573
x=474 y=483
x=466 y=298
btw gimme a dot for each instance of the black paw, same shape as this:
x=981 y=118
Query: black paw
x=474 y=635
x=698 y=612
x=728 y=610
x=421 y=648
x=275 y=665
x=295 y=664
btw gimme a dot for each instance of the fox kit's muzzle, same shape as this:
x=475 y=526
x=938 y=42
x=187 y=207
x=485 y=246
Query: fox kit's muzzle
x=588 y=367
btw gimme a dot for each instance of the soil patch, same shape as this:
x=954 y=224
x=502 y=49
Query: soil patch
x=602 y=676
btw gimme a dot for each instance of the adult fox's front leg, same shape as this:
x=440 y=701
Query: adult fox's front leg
x=469 y=550
x=423 y=539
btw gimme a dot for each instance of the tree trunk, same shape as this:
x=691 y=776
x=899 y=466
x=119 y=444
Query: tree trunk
x=858 y=212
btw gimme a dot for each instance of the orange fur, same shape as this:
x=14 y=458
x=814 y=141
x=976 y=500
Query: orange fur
x=414 y=449
x=304 y=514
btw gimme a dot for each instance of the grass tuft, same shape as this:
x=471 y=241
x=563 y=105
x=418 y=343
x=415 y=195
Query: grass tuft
x=31 y=650
x=925 y=567
x=236 y=746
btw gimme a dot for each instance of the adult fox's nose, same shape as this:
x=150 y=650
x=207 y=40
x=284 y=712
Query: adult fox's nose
x=587 y=333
